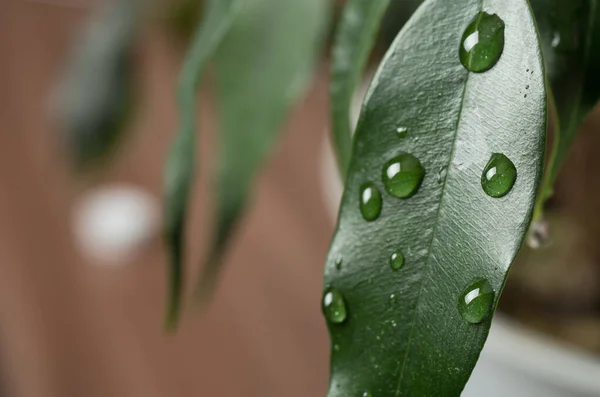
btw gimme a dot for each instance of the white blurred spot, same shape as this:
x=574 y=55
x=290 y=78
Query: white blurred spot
x=113 y=223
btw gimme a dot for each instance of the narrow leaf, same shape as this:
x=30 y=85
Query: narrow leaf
x=570 y=34
x=262 y=69
x=94 y=96
x=179 y=173
x=354 y=41
x=433 y=217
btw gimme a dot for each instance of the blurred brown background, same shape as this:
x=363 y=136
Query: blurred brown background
x=72 y=328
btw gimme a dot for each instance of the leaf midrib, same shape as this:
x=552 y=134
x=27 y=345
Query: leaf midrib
x=434 y=233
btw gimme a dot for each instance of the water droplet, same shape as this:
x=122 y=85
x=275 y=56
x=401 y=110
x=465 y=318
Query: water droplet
x=441 y=175
x=402 y=131
x=338 y=263
x=367 y=394
x=334 y=306
x=394 y=323
x=397 y=260
x=336 y=348
x=556 y=39
x=393 y=298
x=482 y=43
x=498 y=176
x=370 y=201
x=475 y=302
x=403 y=175
x=539 y=234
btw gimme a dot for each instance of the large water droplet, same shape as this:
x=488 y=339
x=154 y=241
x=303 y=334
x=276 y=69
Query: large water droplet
x=397 y=260
x=499 y=175
x=370 y=201
x=334 y=306
x=475 y=302
x=482 y=43
x=403 y=175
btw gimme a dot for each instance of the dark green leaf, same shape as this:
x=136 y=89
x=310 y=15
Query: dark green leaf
x=402 y=274
x=354 y=41
x=570 y=34
x=262 y=69
x=95 y=95
x=179 y=173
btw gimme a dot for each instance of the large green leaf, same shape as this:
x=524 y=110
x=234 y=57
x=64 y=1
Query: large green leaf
x=179 y=173
x=570 y=34
x=354 y=41
x=262 y=69
x=95 y=94
x=402 y=333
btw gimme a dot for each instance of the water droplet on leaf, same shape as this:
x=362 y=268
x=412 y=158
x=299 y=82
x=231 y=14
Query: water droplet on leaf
x=402 y=131
x=397 y=260
x=403 y=175
x=539 y=234
x=334 y=306
x=370 y=201
x=482 y=43
x=338 y=263
x=475 y=302
x=441 y=175
x=499 y=175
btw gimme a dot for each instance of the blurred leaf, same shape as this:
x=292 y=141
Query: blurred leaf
x=400 y=332
x=95 y=94
x=183 y=17
x=570 y=34
x=354 y=41
x=179 y=173
x=262 y=69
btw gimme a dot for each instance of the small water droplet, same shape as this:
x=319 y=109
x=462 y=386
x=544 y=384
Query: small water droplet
x=403 y=175
x=367 y=394
x=482 y=43
x=393 y=298
x=338 y=263
x=539 y=234
x=499 y=176
x=336 y=348
x=441 y=175
x=402 y=131
x=370 y=201
x=394 y=323
x=397 y=260
x=475 y=302
x=556 y=39
x=334 y=306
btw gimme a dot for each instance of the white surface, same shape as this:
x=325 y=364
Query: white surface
x=113 y=223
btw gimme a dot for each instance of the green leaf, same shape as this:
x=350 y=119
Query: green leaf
x=95 y=94
x=179 y=173
x=262 y=69
x=570 y=34
x=354 y=41
x=401 y=331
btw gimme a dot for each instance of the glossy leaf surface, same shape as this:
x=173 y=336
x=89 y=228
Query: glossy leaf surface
x=406 y=331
